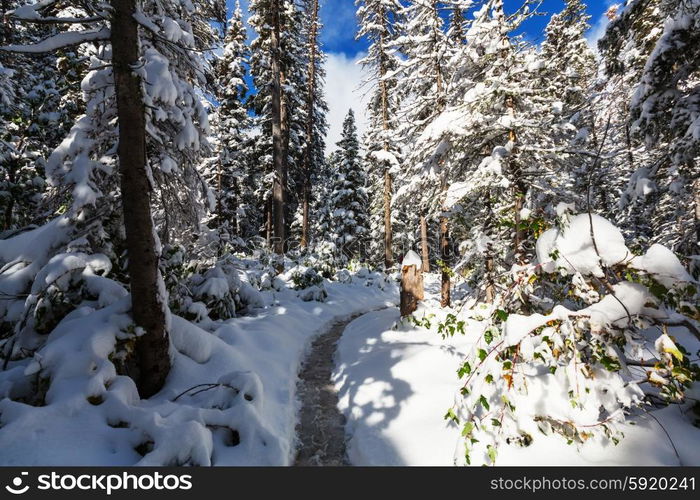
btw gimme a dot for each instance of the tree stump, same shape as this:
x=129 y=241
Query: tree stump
x=411 y=284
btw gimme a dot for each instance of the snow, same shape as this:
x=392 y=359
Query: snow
x=663 y=265
x=395 y=384
x=573 y=249
x=412 y=259
x=61 y=41
x=251 y=361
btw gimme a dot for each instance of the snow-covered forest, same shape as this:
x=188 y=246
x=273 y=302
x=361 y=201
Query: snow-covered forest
x=181 y=246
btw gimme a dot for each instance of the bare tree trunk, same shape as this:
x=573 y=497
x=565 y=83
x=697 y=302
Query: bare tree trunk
x=388 y=236
x=310 y=122
x=148 y=307
x=445 y=296
x=424 y=243
x=388 y=233
x=278 y=150
x=411 y=289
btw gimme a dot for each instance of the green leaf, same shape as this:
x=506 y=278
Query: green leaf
x=450 y=415
x=468 y=428
x=488 y=336
x=501 y=314
x=484 y=403
x=495 y=422
x=465 y=369
x=482 y=354
x=492 y=453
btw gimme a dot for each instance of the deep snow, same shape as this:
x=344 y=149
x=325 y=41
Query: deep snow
x=396 y=383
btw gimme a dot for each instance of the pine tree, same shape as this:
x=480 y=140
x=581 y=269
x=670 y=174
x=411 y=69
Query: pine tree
x=315 y=109
x=278 y=71
x=379 y=22
x=228 y=173
x=347 y=205
x=161 y=133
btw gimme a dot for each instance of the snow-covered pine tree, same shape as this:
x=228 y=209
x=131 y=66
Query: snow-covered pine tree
x=163 y=125
x=632 y=199
x=45 y=103
x=665 y=109
x=228 y=171
x=379 y=23
x=315 y=110
x=278 y=69
x=347 y=205
x=568 y=60
x=424 y=75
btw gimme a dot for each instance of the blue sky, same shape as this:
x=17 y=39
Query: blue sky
x=343 y=51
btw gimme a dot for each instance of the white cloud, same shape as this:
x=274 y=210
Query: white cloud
x=343 y=79
x=597 y=31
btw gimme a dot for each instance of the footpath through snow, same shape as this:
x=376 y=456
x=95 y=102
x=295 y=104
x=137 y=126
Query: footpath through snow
x=395 y=385
x=91 y=416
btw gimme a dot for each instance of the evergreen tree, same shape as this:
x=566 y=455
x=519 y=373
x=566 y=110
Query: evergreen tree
x=278 y=71
x=227 y=174
x=380 y=23
x=160 y=137
x=347 y=202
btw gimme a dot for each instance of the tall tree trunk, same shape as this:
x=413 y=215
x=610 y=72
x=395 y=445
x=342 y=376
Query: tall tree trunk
x=148 y=304
x=424 y=243
x=388 y=233
x=278 y=150
x=388 y=236
x=445 y=256
x=310 y=123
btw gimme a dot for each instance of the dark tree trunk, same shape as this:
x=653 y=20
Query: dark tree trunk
x=424 y=243
x=148 y=307
x=445 y=298
x=278 y=149
x=411 y=289
x=310 y=123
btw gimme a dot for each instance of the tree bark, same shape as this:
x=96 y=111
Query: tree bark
x=388 y=233
x=310 y=123
x=445 y=286
x=388 y=236
x=411 y=290
x=278 y=150
x=148 y=304
x=424 y=243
